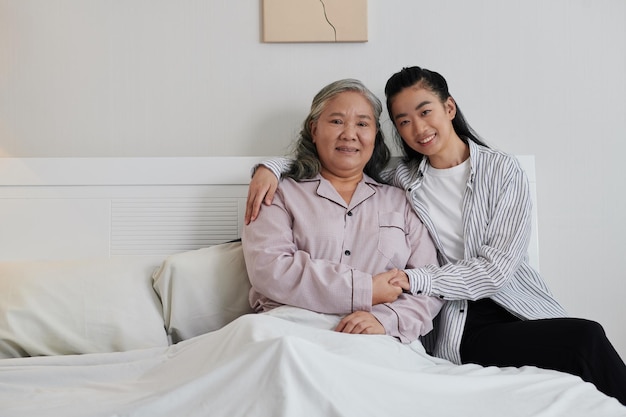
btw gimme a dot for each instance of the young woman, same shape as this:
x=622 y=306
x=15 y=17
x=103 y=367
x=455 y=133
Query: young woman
x=476 y=204
x=334 y=236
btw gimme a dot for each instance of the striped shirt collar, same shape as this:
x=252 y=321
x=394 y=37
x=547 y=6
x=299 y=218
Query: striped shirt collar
x=474 y=150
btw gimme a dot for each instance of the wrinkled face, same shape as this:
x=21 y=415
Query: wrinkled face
x=422 y=120
x=344 y=134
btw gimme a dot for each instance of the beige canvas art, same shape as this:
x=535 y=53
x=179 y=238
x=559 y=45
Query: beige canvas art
x=315 y=20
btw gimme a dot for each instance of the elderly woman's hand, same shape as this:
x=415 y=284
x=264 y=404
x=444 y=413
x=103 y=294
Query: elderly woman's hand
x=360 y=322
x=383 y=291
x=261 y=190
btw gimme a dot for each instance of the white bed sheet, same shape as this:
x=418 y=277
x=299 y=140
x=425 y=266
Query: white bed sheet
x=273 y=365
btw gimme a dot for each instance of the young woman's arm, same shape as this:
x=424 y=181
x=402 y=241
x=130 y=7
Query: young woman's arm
x=263 y=185
x=498 y=230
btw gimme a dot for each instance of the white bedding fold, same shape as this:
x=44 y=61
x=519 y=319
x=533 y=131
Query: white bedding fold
x=269 y=365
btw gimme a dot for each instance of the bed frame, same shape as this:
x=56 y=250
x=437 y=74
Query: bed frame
x=68 y=208
x=60 y=208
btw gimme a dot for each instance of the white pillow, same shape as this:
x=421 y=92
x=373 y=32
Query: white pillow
x=75 y=307
x=202 y=290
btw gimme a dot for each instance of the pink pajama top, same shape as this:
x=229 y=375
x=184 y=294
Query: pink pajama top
x=310 y=249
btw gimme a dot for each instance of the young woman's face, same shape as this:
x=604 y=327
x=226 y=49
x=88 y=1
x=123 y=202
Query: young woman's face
x=422 y=120
x=344 y=134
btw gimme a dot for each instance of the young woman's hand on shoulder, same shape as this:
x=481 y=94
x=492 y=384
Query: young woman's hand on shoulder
x=261 y=190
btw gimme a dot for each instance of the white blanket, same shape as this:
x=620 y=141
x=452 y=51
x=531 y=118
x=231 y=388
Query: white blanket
x=272 y=365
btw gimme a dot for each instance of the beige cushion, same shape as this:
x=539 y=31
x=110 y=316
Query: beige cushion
x=202 y=290
x=73 y=307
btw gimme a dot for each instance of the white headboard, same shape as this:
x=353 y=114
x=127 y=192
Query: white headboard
x=67 y=208
x=62 y=208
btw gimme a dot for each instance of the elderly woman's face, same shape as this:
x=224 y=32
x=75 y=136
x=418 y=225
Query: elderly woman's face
x=344 y=134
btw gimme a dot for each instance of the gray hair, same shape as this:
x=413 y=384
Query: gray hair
x=307 y=163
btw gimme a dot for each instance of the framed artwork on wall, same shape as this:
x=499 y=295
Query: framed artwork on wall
x=314 y=21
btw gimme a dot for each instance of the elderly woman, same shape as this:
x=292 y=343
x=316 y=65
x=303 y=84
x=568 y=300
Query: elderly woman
x=334 y=236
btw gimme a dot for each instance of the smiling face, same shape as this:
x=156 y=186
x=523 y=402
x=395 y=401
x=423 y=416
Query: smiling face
x=424 y=122
x=344 y=135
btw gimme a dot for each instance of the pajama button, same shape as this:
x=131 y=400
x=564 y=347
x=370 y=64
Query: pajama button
x=347 y=253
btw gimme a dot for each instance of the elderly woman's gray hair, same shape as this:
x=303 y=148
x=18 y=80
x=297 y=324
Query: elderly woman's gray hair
x=307 y=163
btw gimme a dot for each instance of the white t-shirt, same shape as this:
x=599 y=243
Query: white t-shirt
x=443 y=191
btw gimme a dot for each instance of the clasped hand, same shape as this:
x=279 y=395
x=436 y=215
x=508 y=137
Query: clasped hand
x=386 y=288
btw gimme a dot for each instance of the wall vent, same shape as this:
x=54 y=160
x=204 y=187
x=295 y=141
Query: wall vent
x=162 y=226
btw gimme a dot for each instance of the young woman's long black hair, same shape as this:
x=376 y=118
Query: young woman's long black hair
x=433 y=81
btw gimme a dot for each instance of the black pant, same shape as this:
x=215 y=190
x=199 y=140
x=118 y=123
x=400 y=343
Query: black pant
x=493 y=336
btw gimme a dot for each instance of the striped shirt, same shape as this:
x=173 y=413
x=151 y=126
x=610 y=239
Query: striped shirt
x=497 y=226
x=496 y=213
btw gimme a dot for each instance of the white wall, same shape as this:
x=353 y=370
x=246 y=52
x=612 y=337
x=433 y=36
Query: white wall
x=191 y=78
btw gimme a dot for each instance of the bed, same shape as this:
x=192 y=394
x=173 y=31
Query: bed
x=123 y=292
